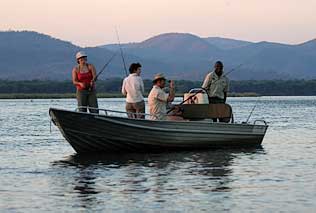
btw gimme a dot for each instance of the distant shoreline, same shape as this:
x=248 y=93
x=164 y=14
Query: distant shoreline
x=110 y=88
x=100 y=95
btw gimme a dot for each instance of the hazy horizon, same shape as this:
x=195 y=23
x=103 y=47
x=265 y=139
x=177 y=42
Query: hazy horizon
x=93 y=23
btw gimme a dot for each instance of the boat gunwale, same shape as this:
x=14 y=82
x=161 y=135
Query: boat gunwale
x=165 y=121
x=112 y=119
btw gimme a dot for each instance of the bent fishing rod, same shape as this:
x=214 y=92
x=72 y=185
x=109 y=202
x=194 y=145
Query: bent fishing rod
x=103 y=68
x=203 y=89
x=123 y=59
x=105 y=65
x=254 y=107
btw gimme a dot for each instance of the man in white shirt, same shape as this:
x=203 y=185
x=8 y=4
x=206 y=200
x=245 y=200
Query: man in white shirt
x=158 y=99
x=133 y=89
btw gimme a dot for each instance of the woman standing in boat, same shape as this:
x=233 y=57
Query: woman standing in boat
x=84 y=76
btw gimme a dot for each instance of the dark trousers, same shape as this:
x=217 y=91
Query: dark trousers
x=86 y=98
x=216 y=100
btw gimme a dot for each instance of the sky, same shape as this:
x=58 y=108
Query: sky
x=93 y=22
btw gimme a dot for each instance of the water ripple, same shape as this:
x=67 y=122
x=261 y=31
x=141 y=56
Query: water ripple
x=39 y=171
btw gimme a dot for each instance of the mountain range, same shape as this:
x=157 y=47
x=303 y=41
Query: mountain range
x=28 y=55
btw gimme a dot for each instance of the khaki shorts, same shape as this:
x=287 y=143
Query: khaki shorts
x=133 y=108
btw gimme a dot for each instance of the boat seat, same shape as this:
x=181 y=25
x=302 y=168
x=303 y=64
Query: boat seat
x=205 y=111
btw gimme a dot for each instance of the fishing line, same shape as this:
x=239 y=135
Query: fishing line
x=119 y=43
x=254 y=107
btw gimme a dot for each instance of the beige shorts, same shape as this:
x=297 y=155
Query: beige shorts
x=134 y=108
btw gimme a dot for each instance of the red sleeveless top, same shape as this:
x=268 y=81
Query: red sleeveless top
x=85 y=78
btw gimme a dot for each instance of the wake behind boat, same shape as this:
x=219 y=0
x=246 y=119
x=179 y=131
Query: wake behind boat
x=108 y=132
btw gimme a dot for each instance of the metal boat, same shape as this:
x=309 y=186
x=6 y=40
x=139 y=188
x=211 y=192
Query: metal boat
x=105 y=131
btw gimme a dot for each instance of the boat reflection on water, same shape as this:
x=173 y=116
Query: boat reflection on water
x=155 y=176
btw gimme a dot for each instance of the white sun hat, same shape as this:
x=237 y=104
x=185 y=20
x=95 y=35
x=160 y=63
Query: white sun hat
x=80 y=54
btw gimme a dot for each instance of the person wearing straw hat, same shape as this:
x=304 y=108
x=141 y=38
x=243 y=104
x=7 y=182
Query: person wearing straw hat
x=84 y=76
x=158 y=99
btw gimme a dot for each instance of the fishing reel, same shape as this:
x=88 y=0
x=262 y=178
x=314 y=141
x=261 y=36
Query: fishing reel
x=193 y=100
x=196 y=96
x=88 y=86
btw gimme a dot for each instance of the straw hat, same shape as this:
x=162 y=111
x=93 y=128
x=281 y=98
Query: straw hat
x=158 y=77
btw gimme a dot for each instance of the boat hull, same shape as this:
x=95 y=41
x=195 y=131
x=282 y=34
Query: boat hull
x=100 y=133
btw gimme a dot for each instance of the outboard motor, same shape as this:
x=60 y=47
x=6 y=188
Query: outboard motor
x=197 y=96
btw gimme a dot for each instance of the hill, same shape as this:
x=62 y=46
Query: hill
x=225 y=43
x=192 y=56
x=29 y=55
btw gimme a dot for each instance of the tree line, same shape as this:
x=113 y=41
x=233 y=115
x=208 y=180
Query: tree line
x=259 y=87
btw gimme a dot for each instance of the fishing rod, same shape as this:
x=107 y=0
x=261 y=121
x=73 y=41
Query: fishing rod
x=252 y=110
x=105 y=65
x=232 y=70
x=203 y=89
x=119 y=43
x=89 y=86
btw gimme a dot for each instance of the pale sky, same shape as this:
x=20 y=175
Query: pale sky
x=93 y=22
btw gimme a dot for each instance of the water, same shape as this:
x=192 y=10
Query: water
x=40 y=172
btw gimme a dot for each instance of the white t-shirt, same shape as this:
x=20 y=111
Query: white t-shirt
x=133 y=88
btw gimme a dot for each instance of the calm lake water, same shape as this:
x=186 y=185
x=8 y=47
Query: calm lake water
x=40 y=172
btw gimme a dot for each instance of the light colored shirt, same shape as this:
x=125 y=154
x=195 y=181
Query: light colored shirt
x=216 y=86
x=157 y=101
x=133 y=88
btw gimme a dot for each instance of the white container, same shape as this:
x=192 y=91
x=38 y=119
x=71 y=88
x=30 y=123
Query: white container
x=200 y=98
